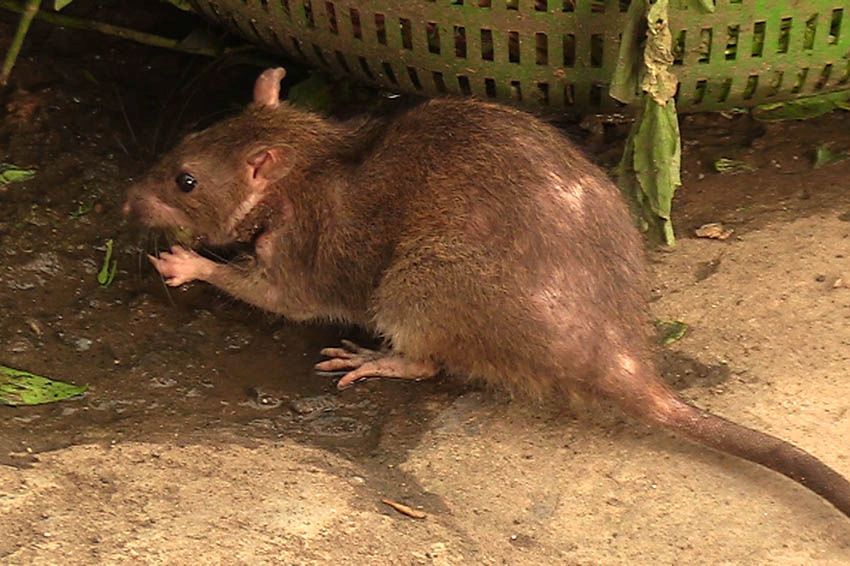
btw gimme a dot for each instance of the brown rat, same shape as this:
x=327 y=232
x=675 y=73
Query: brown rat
x=474 y=238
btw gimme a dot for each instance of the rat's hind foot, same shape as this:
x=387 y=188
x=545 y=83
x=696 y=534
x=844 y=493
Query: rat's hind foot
x=359 y=364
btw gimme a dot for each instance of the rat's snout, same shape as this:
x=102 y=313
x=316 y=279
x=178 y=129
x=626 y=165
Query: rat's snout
x=126 y=209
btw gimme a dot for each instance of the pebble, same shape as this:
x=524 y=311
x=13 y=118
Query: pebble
x=20 y=345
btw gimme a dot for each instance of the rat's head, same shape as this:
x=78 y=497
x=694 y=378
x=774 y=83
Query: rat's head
x=206 y=186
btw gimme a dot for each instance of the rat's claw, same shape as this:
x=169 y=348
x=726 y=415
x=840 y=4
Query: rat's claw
x=358 y=364
x=181 y=266
x=337 y=353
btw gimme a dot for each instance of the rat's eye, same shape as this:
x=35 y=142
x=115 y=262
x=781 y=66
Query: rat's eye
x=186 y=182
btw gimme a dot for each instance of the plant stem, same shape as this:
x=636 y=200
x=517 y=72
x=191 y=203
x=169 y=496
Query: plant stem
x=27 y=12
x=102 y=27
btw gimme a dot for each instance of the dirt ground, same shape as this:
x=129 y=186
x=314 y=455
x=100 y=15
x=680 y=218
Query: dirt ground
x=206 y=438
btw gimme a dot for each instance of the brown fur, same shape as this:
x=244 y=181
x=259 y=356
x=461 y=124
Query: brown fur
x=467 y=234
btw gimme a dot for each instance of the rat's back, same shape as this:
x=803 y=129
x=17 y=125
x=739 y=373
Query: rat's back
x=514 y=252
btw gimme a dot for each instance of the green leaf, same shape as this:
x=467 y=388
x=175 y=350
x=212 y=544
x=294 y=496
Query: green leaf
x=19 y=387
x=670 y=331
x=706 y=5
x=626 y=76
x=109 y=267
x=725 y=165
x=802 y=108
x=825 y=156
x=181 y=4
x=201 y=39
x=314 y=93
x=13 y=174
x=651 y=165
x=59 y=5
x=82 y=210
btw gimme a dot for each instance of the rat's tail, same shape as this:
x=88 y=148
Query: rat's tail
x=657 y=404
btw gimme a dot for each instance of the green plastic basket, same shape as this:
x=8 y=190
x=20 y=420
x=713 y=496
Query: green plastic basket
x=558 y=54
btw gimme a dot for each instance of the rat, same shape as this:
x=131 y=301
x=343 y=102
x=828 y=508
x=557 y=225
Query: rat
x=474 y=238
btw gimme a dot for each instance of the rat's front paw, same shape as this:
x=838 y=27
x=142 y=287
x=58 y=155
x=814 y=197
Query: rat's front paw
x=181 y=266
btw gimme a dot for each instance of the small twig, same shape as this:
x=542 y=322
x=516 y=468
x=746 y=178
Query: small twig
x=124 y=113
x=102 y=27
x=404 y=509
x=27 y=12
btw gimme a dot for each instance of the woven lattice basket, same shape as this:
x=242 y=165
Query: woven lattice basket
x=558 y=54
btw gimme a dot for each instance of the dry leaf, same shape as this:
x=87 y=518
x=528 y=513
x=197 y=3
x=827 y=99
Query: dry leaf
x=714 y=230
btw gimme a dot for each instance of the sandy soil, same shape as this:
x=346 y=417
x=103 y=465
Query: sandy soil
x=205 y=438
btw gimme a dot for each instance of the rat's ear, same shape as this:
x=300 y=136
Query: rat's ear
x=270 y=165
x=267 y=87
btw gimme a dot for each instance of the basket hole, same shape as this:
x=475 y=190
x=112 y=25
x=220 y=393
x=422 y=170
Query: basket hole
x=596 y=94
x=801 y=81
x=214 y=7
x=253 y=23
x=835 y=25
x=320 y=55
x=784 y=35
x=811 y=31
x=457 y=2
x=541 y=5
x=388 y=71
x=775 y=84
x=569 y=6
x=513 y=47
x=705 y=45
x=265 y=5
x=330 y=10
x=356 y=29
x=725 y=89
x=596 y=47
x=285 y=5
x=432 y=34
x=750 y=88
x=460 y=42
x=569 y=94
x=541 y=49
x=485 y=3
x=308 y=13
x=439 y=82
x=364 y=65
x=569 y=50
x=276 y=38
x=543 y=93
x=234 y=24
x=490 y=88
x=463 y=83
x=699 y=91
x=824 y=77
x=846 y=77
x=758 y=39
x=487 y=44
x=406 y=33
x=296 y=44
x=597 y=6
x=381 y=29
x=414 y=78
x=732 y=35
x=340 y=58
x=679 y=48
x=516 y=91
x=512 y=4
x=624 y=5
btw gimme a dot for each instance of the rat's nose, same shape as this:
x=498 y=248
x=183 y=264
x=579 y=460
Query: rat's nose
x=126 y=209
